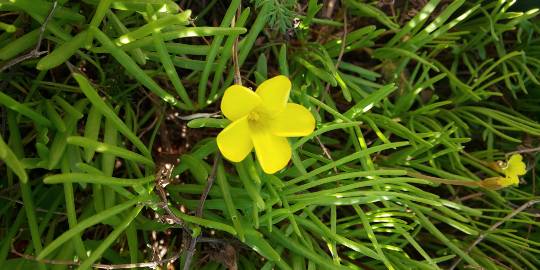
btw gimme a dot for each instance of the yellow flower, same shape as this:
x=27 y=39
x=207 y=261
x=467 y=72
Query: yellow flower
x=262 y=120
x=515 y=166
x=512 y=169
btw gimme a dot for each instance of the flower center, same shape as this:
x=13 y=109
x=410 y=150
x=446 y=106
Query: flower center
x=258 y=118
x=254 y=116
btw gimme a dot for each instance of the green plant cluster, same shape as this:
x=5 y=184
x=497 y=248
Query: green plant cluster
x=108 y=134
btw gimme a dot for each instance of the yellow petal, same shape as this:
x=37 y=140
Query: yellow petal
x=238 y=101
x=499 y=182
x=515 y=166
x=294 y=121
x=508 y=181
x=274 y=93
x=234 y=141
x=273 y=152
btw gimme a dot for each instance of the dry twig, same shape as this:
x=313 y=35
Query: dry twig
x=327 y=89
x=523 y=151
x=494 y=227
x=34 y=52
x=152 y=265
x=37 y=208
x=200 y=207
x=162 y=180
x=237 y=75
x=211 y=177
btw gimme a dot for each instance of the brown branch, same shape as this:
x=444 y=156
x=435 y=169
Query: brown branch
x=494 y=227
x=162 y=180
x=212 y=176
x=37 y=208
x=151 y=125
x=343 y=39
x=34 y=52
x=326 y=152
x=523 y=151
x=236 y=65
x=342 y=48
x=471 y=196
x=208 y=186
x=192 y=23
x=200 y=207
x=327 y=89
x=152 y=265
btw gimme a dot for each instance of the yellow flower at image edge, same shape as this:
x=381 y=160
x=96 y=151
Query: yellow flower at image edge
x=512 y=169
x=262 y=120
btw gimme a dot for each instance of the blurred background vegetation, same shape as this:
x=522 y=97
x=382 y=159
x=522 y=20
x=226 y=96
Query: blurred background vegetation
x=109 y=111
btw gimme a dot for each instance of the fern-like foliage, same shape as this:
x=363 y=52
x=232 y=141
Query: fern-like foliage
x=283 y=13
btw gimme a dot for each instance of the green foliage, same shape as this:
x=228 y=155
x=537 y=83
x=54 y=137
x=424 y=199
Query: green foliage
x=283 y=13
x=108 y=138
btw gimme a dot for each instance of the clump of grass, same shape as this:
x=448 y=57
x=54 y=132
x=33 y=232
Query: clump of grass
x=108 y=144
